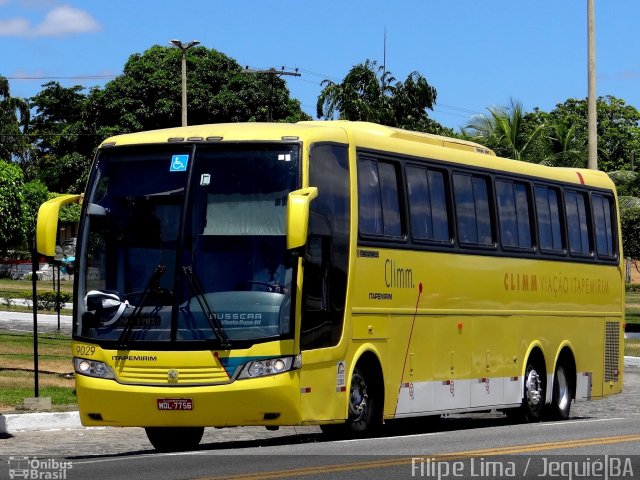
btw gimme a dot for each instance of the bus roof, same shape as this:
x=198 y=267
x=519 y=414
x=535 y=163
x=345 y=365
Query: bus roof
x=363 y=134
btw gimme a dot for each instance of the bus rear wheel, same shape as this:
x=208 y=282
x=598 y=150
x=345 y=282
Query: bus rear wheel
x=174 y=439
x=562 y=395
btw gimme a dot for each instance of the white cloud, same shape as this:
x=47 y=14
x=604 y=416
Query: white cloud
x=14 y=27
x=60 y=21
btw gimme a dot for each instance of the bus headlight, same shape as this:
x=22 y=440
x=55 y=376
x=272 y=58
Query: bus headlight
x=92 y=368
x=270 y=366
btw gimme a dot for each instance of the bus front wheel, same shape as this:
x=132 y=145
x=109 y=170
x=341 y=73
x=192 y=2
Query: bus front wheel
x=365 y=406
x=174 y=439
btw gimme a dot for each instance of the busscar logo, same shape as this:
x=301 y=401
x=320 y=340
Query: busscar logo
x=362 y=253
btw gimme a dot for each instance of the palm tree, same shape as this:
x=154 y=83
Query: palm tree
x=565 y=150
x=503 y=131
x=358 y=97
x=628 y=185
x=14 y=115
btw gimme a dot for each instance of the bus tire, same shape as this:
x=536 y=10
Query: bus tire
x=365 y=406
x=532 y=406
x=174 y=439
x=562 y=394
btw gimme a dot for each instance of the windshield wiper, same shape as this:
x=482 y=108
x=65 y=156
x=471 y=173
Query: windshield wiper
x=213 y=320
x=152 y=285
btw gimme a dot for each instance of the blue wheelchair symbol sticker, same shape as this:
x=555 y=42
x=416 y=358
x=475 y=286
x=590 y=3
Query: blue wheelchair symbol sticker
x=179 y=163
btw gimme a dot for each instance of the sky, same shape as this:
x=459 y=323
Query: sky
x=477 y=54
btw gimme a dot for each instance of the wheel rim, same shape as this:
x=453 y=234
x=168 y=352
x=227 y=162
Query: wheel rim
x=562 y=386
x=534 y=388
x=358 y=397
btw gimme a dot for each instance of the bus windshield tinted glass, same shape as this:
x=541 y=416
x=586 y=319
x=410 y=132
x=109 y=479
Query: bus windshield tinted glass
x=164 y=260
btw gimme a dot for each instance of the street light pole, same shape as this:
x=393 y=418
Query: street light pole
x=592 y=113
x=184 y=47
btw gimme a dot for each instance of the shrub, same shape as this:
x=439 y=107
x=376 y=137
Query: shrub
x=632 y=288
x=47 y=300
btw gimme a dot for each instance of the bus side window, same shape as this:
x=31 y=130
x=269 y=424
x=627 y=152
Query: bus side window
x=428 y=205
x=473 y=212
x=378 y=199
x=513 y=214
x=602 y=207
x=578 y=223
x=549 y=220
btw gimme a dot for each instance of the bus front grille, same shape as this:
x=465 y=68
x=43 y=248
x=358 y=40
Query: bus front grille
x=182 y=376
x=611 y=351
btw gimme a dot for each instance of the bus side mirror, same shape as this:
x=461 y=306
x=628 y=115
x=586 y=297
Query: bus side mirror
x=298 y=205
x=47 y=224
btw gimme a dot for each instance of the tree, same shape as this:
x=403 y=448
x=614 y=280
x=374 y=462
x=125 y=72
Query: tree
x=65 y=142
x=11 y=180
x=371 y=94
x=628 y=186
x=503 y=130
x=148 y=94
x=618 y=131
x=14 y=120
x=563 y=147
x=630 y=226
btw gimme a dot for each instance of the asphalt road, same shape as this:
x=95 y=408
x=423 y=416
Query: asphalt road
x=600 y=433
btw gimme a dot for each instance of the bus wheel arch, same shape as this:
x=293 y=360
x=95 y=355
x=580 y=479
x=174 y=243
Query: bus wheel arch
x=563 y=385
x=365 y=399
x=534 y=389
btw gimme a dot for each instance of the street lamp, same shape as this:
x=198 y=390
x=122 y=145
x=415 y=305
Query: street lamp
x=184 y=47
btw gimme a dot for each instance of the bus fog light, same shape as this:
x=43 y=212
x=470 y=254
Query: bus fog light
x=92 y=368
x=270 y=366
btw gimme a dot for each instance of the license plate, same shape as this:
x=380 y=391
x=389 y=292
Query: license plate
x=175 y=404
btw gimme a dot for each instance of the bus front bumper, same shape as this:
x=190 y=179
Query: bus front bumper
x=270 y=400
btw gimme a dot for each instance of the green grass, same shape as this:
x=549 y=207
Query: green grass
x=55 y=377
x=632 y=308
x=632 y=347
x=10 y=290
x=19 y=287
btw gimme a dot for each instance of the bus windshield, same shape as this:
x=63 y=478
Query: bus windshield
x=187 y=244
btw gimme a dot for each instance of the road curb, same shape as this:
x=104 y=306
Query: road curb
x=29 y=422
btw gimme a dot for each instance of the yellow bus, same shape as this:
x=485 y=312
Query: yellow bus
x=339 y=274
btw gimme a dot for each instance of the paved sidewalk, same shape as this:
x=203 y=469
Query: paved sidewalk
x=23 y=322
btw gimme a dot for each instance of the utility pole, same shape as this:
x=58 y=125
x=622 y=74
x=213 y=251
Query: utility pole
x=184 y=47
x=592 y=113
x=384 y=59
x=273 y=73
